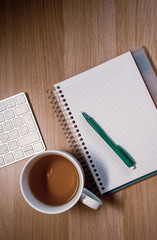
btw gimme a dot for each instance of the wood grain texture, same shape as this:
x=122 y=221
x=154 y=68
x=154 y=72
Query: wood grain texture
x=42 y=43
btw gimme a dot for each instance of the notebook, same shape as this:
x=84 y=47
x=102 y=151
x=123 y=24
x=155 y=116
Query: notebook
x=115 y=95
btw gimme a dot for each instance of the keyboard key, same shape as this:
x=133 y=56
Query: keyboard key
x=24 y=130
x=34 y=137
x=18 y=154
x=9 y=158
x=29 y=120
x=1 y=129
x=8 y=125
x=21 y=109
x=2 y=118
x=3 y=149
x=18 y=122
x=13 y=145
x=2 y=106
x=38 y=147
x=20 y=99
x=2 y=161
x=10 y=103
x=28 y=150
x=4 y=138
x=9 y=114
x=14 y=134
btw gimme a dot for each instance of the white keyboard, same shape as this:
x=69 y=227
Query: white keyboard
x=19 y=133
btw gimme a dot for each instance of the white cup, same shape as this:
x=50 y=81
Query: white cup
x=84 y=195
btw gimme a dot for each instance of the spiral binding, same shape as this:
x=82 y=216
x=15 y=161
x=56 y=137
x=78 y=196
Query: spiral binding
x=77 y=145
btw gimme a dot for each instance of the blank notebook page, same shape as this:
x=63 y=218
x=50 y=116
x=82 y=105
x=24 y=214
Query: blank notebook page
x=115 y=95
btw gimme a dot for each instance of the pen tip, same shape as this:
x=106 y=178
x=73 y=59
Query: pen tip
x=85 y=115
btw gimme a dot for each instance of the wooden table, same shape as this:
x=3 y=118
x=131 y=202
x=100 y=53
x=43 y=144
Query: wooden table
x=42 y=43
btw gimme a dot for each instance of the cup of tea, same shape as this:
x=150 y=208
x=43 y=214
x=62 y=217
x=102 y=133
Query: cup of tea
x=53 y=182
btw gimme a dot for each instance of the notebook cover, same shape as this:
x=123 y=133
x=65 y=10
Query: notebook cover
x=132 y=182
x=150 y=80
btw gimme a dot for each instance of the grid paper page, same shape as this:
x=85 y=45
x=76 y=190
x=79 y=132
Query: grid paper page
x=115 y=95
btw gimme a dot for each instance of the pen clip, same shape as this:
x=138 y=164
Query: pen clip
x=126 y=154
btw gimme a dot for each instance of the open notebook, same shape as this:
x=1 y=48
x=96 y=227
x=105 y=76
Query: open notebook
x=116 y=96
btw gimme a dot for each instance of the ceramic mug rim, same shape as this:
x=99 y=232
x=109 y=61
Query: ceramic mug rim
x=32 y=200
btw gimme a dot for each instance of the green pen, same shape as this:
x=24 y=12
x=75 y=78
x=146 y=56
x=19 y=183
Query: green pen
x=127 y=159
